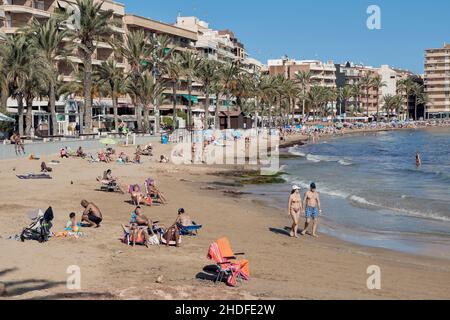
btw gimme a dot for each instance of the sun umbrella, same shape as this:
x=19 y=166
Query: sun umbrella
x=5 y=118
x=108 y=141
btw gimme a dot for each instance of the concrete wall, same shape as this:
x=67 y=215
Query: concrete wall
x=48 y=148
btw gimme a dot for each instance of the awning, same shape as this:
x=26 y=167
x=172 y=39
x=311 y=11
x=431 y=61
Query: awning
x=5 y=118
x=194 y=99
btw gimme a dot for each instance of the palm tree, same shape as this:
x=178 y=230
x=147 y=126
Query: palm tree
x=33 y=86
x=420 y=98
x=48 y=39
x=137 y=52
x=377 y=84
x=366 y=82
x=147 y=91
x=94 y=25
x=18 y=57
x=266 y=92
x=345 y=94
x=357 y=91
x=207 y=73
x=113 y=76
x=228 y=76
x=406 y=86
x=173 y=72
x=315 y=98
x=304 y=79
x=392 y=103
x=190 y=64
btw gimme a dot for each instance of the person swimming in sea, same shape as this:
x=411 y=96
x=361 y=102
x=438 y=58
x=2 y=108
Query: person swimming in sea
x=418 y=160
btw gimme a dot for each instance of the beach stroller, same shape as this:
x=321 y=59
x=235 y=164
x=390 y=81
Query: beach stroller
x=39 y=229
x=228 y=267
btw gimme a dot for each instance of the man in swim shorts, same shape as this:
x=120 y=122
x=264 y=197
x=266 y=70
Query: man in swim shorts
x=92 y=215
x=312 y=206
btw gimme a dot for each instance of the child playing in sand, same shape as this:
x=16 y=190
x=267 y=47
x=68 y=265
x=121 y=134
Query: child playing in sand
x=72 y=225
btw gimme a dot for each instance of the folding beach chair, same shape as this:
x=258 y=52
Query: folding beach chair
x=189 y=231
x=228 y=267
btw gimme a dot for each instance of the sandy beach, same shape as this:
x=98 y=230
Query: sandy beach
x=281 y=267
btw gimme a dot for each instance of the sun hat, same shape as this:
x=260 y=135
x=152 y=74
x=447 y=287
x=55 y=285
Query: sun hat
x=295 y=188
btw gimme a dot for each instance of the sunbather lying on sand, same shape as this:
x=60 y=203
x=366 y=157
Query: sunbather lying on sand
x=92 y=216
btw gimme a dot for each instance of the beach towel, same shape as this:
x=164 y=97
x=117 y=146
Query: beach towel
x=33 y=176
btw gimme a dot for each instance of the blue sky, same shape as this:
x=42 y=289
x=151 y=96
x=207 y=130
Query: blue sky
x=321 y=29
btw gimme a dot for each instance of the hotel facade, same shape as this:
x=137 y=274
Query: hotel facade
x=437 y=81
x=187 y=34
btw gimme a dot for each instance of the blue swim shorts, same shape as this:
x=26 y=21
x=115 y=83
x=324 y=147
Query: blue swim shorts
x=312 y=213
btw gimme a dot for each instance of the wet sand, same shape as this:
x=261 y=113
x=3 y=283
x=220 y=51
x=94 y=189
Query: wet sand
x=281 y=267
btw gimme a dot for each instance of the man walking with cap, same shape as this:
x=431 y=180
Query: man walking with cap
x=312 y=206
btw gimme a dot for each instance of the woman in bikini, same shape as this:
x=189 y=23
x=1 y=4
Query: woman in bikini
x=295 y=207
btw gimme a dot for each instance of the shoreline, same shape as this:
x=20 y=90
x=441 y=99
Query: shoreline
x=281 y=268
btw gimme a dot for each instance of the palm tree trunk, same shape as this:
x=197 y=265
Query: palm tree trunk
x=174 y=93
x=228 y=111
x=116 y=113
x=293 y=110
x=367 y=101
x=415 y=110
x=138 y=111
x=216 y=116
x=205 y=121
x=157 y=120
x=29 y=116
x=190 y=122
x=4 y=101
x=378 y=106
x=88 y=91
x=147 y=121
x=20 y=113
x=52 y=107
x=303 y=107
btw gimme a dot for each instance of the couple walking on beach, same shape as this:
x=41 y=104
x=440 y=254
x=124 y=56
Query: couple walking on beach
x=310 y=205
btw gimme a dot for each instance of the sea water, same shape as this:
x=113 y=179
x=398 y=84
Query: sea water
x=372 y=192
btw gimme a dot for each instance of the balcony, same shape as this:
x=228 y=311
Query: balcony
x=37 y=9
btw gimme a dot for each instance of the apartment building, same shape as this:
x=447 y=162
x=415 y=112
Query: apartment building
x=220 y=45
x=437 y=81
x=180 y=40
x=16 y=14
x=323 y=73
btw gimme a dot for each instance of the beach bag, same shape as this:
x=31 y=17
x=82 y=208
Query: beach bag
x=153 y=240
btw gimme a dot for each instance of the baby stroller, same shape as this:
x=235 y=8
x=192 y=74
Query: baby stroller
x=39 y=229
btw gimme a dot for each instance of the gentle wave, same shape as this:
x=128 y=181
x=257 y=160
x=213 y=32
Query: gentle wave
x=320 y=158
x=361 y=201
